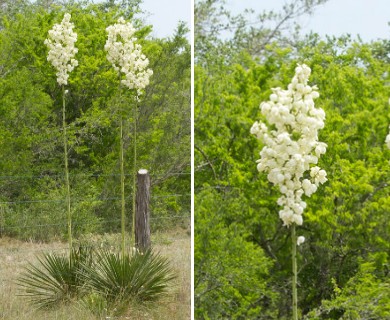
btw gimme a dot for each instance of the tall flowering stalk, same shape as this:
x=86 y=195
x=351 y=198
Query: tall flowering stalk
x=62 y=50
x=291 y=152
x=126 y=57
x=387 y=141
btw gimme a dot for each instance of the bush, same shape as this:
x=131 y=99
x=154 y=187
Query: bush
x=57 y=279
x=137 y=277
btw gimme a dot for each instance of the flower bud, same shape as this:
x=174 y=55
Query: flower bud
x=300 y=240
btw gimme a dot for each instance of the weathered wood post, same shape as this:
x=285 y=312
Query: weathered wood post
x=142 y=229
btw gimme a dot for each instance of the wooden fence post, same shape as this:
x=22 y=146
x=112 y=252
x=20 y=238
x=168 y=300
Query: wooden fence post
x=142 y=229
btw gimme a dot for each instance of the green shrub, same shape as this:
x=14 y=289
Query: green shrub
x=57 y=279
x=134 y=277
x=365 y=296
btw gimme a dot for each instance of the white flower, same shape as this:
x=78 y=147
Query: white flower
x=300 y=240
x=297 y=218
x=61 y=49
x=388 y=140
x=291 y=146
x=126 y=56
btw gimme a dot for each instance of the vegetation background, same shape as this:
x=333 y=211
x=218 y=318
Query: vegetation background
x=242 y=252
x=31 y=162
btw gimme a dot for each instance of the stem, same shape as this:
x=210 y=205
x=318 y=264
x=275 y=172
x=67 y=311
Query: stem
x=294 y=271
x=66 y=170
x=134 y=171
x=121 y=157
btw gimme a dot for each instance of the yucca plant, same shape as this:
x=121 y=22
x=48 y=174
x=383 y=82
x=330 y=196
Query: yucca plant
x=126 y=57
x=57 y=278
x=132 y=277
x=62 y=50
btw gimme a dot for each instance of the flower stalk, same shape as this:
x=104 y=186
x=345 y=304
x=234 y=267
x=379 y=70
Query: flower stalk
x=294 y=272
x=122 y=173
x=126 y=57
x=134 y=171
x=67 y=183
x=61 y=54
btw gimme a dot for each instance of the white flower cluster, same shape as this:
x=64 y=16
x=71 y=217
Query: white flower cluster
x=61 y=49
x=292 y=144
x=126 y=56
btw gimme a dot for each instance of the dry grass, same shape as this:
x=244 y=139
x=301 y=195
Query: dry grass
x=14 y=255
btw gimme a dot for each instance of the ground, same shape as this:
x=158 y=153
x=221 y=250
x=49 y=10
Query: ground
x=14 y=255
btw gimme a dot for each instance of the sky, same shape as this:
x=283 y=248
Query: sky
x=164 y=15
x=368 y=18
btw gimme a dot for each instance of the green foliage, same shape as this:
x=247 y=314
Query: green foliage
x=230 y=272
x=365 y=295
x=345 y=221
x=120 y=279
x=57 y=279
x=50 y=221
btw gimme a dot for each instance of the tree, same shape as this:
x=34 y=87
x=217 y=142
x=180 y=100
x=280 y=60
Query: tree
x=219 y=34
